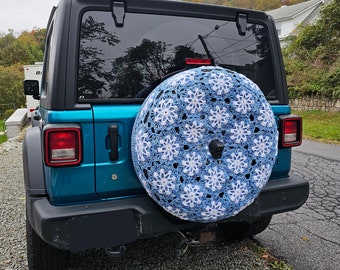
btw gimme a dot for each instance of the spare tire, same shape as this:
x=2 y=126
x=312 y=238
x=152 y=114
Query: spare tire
x=204 y=143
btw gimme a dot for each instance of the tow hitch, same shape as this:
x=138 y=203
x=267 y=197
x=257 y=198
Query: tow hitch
x=195 y=239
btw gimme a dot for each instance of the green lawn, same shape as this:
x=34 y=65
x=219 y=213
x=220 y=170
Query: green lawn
x=3 y=138
x=321 y=126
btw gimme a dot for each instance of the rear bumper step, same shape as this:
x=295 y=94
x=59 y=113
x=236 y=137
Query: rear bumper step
x=118 y=222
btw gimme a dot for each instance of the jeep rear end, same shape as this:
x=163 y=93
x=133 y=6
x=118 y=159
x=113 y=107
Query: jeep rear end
x=102 y=60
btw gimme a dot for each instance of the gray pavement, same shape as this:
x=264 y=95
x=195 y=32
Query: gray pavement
x=309 y=237
x=324 y=150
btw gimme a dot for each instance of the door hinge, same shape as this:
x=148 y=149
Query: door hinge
x=118 y=12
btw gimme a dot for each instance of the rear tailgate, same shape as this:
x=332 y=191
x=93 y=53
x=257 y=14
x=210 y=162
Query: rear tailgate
x=114 y=174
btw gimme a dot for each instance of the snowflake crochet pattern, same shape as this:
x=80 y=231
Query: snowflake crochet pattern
x=237 y=163
x=213 y=211
x=164 y=182
x=218 y=117
x=261 y=174
x=215 y=179
x=195 y=100
x=166 y=112
x=193 y=132
x=244 y=102
x=262 y=146
x=191 y=195
x=191 y=164
x=142 y=146
x=240 y=132
x=220 y=83
x=168 y=148
x=183 y=78
x=266 y=115
x=204 y=143
x=238 y=191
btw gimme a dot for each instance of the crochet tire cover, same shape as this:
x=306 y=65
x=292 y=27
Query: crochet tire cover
x=204 y=143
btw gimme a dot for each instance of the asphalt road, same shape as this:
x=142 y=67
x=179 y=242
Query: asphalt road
x=309 y=238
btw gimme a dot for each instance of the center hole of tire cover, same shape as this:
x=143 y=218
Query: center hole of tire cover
x=216 y=148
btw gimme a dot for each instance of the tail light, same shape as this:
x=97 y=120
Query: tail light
x=197 y=61
x=290 y=131
x=62 y=147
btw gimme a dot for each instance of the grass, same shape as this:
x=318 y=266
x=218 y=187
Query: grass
x=321 y=126
x=3 y=138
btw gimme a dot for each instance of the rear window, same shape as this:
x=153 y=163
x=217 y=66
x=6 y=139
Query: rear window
x=128 y=62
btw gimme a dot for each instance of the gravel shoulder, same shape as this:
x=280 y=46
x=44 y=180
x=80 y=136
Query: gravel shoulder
x=12 y=207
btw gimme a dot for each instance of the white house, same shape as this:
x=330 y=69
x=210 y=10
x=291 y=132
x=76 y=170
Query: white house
x=287 y=18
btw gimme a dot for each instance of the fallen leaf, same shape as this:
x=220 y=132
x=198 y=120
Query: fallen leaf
x=304 y=238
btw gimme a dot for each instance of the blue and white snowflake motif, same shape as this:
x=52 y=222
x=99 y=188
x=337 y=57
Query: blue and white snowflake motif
x=266 y=116
x=213 y=211
x=218 y=117
x=194 y=132
x=262 y=146
x=192 y=164
x=183 y=78
x=244 y=102
x=261 y=175
x=215 y=179
x=195 y=100
x=240 y=132
x=142 y=145
x=177 y=212
x=166 y=112
x=221 y=83
x=191 y=195
x=145 y=107
x=237 y=163
x=238 y=191
x=168 y=148
x=164 y=182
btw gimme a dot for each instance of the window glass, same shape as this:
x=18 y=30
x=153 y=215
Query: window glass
x=129 y=62
x=46 y=72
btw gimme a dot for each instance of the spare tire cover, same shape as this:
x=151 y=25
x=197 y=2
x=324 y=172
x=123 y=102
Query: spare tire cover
x=204 y=143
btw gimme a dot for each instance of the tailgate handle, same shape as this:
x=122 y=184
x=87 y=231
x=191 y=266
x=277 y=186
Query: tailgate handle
x=113 y=136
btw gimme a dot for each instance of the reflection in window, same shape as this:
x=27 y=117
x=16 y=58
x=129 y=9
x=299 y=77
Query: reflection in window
x=129 y=62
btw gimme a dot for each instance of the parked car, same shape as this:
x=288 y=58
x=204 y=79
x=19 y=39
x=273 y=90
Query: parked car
x=156 y=116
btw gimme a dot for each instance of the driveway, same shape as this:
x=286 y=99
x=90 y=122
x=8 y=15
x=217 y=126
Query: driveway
x=309 y=238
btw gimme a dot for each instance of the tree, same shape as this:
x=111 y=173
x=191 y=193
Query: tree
x=15 y=52
x=312 y=57
x=25 y=49
x=11 y=89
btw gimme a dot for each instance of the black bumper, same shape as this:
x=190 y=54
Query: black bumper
x=118 y=222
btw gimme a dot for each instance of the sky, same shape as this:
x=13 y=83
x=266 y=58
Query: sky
x=21 y=15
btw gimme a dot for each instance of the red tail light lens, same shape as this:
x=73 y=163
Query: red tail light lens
x=197 y=61
x=291 y=131
x=62 y=147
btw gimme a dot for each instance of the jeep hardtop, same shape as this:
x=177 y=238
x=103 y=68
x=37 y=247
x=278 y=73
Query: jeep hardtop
x=93 y=180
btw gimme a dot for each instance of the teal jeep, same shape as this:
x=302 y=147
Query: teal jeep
x=156 y=116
